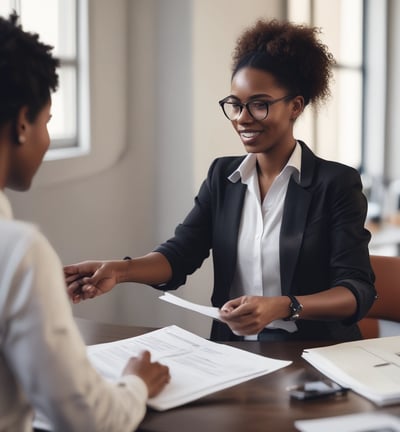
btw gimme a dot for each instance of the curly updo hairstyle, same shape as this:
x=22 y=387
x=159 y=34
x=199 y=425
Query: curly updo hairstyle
x=292 y=53
x=27 y=71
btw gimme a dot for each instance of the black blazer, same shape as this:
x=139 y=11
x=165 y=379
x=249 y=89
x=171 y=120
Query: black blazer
x=323 y=242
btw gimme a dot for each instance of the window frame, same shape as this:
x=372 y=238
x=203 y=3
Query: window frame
x=64 y=148
x=105 y=59
x=79 y=142
x=313 y=123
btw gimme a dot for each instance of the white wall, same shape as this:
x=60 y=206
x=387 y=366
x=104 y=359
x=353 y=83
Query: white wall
x=157 y=99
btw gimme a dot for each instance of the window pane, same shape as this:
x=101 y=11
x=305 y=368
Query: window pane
x=341 y=25
x=299 y=11
x=5 y=8
x=335 y=131
x=54 y=20
x=351 y=33
x=63 y=122
x=57 y=25
x=339 y=122
x=350 y=116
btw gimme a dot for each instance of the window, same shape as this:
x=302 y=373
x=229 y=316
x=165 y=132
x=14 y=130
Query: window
x=62 y=24
x=337 y=131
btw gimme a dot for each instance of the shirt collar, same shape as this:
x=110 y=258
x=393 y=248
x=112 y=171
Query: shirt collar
x=244 y=170
x=5 y=207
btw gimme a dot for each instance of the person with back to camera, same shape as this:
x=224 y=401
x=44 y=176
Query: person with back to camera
x=43 y=361
x=286 y=228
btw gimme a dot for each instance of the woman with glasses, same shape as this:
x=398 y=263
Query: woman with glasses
x=286 y=228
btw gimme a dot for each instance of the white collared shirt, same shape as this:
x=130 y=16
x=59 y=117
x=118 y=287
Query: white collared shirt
x=258 y=265
x=43 y=360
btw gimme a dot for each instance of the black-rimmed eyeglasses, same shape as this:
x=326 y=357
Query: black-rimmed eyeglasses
x=258 y=109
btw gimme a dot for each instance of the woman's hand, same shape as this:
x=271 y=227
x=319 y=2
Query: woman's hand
x=248 y=315
x=155 y=375
x=90 y=279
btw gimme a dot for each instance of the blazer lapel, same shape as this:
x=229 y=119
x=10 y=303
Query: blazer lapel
x=227 y=233
x=297 y=204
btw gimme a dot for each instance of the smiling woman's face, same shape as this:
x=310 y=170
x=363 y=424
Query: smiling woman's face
x=260 y=136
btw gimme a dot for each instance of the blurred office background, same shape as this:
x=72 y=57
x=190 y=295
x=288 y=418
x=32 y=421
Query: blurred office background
x=136 y=124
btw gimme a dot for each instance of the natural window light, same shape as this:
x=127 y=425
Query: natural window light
x=61 y=24
x=336 y=131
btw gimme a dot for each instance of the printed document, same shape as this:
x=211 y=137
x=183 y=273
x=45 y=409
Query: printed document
x=198 y=367
x=370 y=367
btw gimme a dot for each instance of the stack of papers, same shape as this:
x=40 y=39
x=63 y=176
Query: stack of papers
x=198 y=367
x=369 y=367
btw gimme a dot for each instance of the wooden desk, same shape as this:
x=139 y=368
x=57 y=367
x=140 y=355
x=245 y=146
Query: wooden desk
x=261 y=404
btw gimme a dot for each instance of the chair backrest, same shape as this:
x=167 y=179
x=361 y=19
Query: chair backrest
x=387 y=284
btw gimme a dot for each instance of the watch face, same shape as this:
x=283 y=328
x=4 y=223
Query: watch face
x=294 y=317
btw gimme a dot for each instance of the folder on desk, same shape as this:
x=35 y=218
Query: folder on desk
x=369 y=367
x=359 y=422
x=198 y=367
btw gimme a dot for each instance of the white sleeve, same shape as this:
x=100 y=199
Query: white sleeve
x=48 y=357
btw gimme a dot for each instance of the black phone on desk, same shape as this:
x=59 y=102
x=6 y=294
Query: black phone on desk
x=316 y=390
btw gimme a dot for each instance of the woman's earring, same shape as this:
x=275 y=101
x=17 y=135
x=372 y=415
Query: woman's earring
x=21 y=139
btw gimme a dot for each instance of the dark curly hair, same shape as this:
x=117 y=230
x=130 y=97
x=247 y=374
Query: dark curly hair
x=291 y=53
x=27 y=71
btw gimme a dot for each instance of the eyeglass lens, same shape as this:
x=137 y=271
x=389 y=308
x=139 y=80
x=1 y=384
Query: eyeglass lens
x=257 y=109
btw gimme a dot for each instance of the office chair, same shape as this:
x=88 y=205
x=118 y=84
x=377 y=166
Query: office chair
x=387 y=305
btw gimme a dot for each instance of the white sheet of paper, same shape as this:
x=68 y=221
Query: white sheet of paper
x=198 y=367
x=210 y=311
x=364 y=422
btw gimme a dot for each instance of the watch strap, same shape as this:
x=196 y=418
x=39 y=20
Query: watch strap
x=295 y=308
